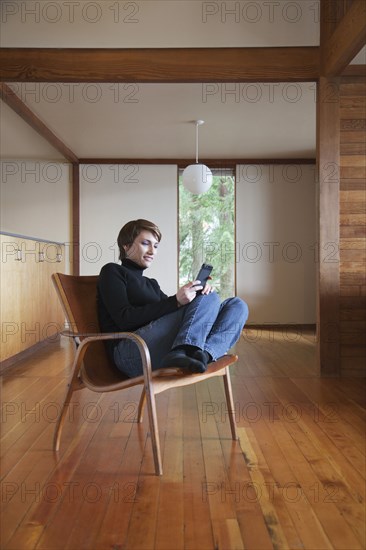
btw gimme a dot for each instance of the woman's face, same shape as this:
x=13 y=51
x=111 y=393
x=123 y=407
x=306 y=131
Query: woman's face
x=143 y=249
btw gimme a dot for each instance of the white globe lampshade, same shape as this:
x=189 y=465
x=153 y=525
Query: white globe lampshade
x=197 y=178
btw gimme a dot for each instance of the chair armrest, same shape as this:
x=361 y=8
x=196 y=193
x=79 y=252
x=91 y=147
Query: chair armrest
x=92 y=338
x=72 y=334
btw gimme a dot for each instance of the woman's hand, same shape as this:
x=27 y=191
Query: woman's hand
x=187 y=293
x=208 y=289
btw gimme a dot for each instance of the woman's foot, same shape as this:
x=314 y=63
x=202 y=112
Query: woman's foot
x=203 y=356
x=178 y=357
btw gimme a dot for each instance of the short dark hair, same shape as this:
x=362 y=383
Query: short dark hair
x=131 y=230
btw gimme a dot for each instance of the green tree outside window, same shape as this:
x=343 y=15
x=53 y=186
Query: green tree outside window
x=207 y=232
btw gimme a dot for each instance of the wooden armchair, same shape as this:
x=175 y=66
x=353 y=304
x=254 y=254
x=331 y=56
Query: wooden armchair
x=93 y=369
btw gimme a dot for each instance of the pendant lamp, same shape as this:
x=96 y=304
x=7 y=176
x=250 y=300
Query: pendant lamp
x=197 y=178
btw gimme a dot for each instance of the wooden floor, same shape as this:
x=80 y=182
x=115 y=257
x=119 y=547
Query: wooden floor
x=296 y=478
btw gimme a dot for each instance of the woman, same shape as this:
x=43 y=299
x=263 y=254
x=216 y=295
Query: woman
x=186 y=330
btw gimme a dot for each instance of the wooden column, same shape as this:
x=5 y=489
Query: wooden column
x=328 y=130
x=352 y=225
x=76 y=219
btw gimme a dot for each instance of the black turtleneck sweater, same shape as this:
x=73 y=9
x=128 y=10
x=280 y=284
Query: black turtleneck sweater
x=127 y=300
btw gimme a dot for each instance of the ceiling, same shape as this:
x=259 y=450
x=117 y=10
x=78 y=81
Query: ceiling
x=272 y=120
x=154 y=121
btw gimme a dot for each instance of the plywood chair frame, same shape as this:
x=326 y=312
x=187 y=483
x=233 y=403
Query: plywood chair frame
x=107 y=378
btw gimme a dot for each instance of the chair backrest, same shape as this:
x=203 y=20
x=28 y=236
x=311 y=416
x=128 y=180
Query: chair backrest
x=78 y=296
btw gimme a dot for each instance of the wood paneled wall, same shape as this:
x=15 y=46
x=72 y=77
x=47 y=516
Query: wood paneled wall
x=353 y=226
x=30 y=312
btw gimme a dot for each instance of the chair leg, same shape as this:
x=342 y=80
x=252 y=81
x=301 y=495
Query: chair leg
x=154 y=430
x=61 y=419
x=140 y=410
x=230 y=403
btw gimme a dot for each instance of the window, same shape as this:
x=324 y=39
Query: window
x=207 y=232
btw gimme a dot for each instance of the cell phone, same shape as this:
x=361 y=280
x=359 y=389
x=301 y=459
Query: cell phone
x=204 y=274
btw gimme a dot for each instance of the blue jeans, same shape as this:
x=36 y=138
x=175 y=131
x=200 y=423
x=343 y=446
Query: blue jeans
x=205 y=322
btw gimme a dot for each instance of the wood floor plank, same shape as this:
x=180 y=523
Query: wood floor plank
x=142 y=524
x=20 y=439
x=294 y=480
x=282 y=483
x=127 y=490
x=95 y=475
x=53 y=488
x=221 y=509
x=197 y=529
x=323 y=443
x=170 y=515
x=245 y=493
x=336 y=478
x=29 y=492
x=349 y=441
x=334 y=408
x=263 y=482
x=26 y=411
x=295 y=492
x=14 y=388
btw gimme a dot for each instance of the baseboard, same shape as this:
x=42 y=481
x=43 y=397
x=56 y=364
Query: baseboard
x=281 y=326
x=14 y=359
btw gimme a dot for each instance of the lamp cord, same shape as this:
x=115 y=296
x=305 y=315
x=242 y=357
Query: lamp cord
x=196 y=143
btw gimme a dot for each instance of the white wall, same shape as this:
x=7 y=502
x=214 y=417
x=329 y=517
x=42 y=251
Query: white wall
x=276 y=234
x=35 y=199
x=112 y=195
x=275 y=218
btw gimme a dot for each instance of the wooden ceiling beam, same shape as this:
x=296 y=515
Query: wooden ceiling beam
x=355 y=70
x=212 y=163
x=15 y=103
x=345 y=41
x=159 y=65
